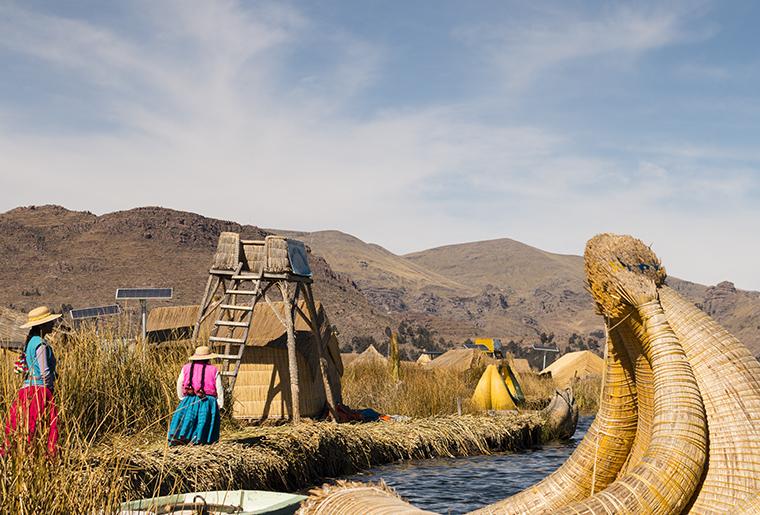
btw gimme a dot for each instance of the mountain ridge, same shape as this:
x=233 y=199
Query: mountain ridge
x=439 y=297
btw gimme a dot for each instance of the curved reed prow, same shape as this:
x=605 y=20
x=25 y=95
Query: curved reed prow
x=678 y=428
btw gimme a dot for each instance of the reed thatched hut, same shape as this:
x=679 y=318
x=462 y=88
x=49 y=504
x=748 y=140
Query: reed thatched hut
x=460 y=360
x=520 y=366
x=11 y=336
x=172 y=323
x=370 y=355
x=262 y=389
x=574 y=365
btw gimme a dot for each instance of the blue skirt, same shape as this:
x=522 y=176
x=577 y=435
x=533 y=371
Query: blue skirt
x=195 y=421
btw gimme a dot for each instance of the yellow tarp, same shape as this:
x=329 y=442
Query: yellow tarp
x=491 y=392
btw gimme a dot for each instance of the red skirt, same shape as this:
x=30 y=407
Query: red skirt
x=33 y=410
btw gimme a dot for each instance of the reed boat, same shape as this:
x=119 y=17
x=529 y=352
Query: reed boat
x=678 y=426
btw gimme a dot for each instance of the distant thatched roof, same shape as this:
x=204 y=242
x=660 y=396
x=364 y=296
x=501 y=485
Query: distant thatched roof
x=170 y=318
x=461 y=359
x=424 y=358
x=10 y=334
x=371 y=355
x=520 y=366
x=578 y=364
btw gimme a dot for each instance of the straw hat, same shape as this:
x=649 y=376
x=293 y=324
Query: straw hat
x=39 y=316
x=203 y=353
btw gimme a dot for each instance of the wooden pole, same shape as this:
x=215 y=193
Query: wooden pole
x=394 y=359
x=314 y=322
x=204 y=304
x=295 y=398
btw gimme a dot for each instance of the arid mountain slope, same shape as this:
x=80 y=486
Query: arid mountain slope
x=512 y=290
x=500 y=288
x=65 y=258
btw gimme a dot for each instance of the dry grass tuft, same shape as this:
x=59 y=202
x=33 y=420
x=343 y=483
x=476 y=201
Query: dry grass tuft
x=421 y=392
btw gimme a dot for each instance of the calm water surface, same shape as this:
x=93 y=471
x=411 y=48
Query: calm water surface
x=458 y=485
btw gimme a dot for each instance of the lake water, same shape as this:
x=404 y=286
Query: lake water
x=459 y=485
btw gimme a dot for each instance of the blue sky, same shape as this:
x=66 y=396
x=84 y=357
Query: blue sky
x=409 y=124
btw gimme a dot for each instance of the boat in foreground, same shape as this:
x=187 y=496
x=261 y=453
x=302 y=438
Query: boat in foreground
x=241 y=502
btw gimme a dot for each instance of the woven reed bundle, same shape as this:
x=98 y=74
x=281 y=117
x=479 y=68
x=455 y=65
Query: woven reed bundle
x=600 y=454
x=227 y=254
x=350 y=498
x=278 y=260
x=729 y=379
x=631 y=332
x=750 y=507
x=674 y=380
x=255 y=256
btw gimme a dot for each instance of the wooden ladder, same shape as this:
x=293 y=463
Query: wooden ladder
x=241 y=294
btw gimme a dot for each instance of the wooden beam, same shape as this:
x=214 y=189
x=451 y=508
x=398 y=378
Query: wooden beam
x=331 y=402
x=295 y=398
x=207 y=296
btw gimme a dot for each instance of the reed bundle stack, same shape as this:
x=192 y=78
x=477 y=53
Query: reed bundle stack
x=678 y=427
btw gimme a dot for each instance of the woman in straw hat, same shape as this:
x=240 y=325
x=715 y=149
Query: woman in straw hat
x=201 y=396
x=35 y=405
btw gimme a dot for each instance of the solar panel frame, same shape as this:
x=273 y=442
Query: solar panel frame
x=144 y=293
x=94 y=312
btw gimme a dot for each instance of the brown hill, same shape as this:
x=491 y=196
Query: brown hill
x=499 y=288
x=65 y=258
x=505 y=289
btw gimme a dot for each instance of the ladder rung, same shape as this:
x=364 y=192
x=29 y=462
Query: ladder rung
x=226 y=340
x=231 y=357
x=252 y=242
x=246 y=277
x=227 y=373
x=238 y=308
x=241 y=292
x=229 y=323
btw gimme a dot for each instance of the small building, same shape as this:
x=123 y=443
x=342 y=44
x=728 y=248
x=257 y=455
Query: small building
x=11 y=335
x=426 y=356
x=574 y=365
x=460 y=360
x=369 y=356
x=520 y=366
x=262 y=389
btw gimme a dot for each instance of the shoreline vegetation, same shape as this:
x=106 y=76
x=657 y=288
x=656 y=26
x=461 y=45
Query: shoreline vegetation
x=115 y=401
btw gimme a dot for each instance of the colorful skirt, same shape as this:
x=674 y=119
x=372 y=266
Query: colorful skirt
x=196 y=421
x=33 y=413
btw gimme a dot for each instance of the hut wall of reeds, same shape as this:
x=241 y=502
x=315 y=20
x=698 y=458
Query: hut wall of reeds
x=262 y=390
x=11 y=336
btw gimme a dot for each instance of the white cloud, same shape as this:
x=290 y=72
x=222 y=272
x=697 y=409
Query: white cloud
x=523 y=50
x=201 y=100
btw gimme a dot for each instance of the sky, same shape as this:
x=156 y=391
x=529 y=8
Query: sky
x=406 y=123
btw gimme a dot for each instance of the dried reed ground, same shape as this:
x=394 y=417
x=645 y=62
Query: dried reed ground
x=115 y=401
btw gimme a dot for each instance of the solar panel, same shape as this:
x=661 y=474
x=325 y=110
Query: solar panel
x=143 y=293
x=83 y=313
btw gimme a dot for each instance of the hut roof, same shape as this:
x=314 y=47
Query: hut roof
x=167 y=318
x=578 y=364
x=266 y=327
x=460 y=360
x=520 y=366
x=10 y=333
x=424 y=358
x=370 y=355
